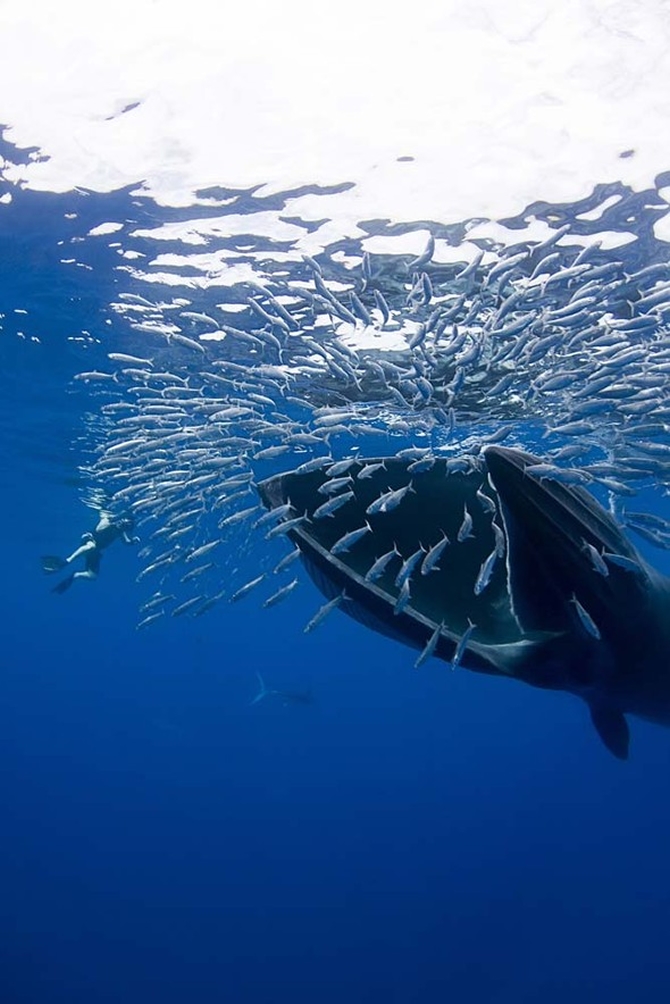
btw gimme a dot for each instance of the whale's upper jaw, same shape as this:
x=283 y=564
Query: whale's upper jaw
x=552 y=532
x=550 y=528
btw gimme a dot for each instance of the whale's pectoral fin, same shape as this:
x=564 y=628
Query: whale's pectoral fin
x=612 y=728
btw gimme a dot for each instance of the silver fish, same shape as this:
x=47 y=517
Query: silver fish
x=323 y=612
x=465 y=530
x=286 y=526
x=408 y=566
x=429 y=563
x=281 y=594
x=369 y=469
x=246 y=588
x=195 y=572
x=462 y=645
x=587 y=621
x=430 y=646
x=379 y=566
x=403 y=598
x=485 y=572
x=286 y=561
x=188 y=605
x=201 y=551
x=332 y=505
x=596 y=558
x=334 y=485
x=149 y=620
x=348 y=540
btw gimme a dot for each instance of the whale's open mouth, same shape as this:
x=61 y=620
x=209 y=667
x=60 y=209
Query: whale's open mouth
x=483 y=561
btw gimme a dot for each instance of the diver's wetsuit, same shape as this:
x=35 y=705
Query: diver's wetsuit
x=91 y=548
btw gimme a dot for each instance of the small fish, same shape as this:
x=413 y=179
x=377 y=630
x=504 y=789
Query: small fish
x=246 y=588
x=188 y=605
x=462 y=645
x=623 y=561
x=403 y=598
x=486 y=502
x=655 y=537
x=313 y=465
x=281 y=594
x=285 y=527
x=359 y=308
x=323 y=612
x=458 y=465
x=334 y=485
x=430 y=646
x=423 y=464
x=271 y=452
x=429 y=563
x=408 y=566
x=465 y=530
x=195 y=572
x=208 y=604
x=540 y=471
x=121 y=357
x=499 y=539
x=96 y=375
x=348 y=540
x=156 y=601
x=379 y=566
x=425 y=257
x=596 y=558
x=187 y=343
x=471 y=267
x=485 y=572
x=579 y=428
x=149 y=620
x=369 y=469
x=192 y=315
x=200 y=552
x=391 y=500
x=286 y=561
x=587 y=621
x=237 y=517
x=340 y=467
x=378 y=504
x=154 y=567
x=382 y=306
x=330 y=507
x=279 y=512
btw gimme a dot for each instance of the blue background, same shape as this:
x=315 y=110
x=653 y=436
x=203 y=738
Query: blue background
x=411 y=836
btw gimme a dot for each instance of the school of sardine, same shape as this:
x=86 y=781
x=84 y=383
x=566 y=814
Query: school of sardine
x=561 y=339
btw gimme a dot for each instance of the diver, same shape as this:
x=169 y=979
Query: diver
x=92 y=545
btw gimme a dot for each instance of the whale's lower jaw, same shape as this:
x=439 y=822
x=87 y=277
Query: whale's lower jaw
x=491 y=567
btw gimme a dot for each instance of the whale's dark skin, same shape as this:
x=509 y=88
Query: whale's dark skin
x=528 y=619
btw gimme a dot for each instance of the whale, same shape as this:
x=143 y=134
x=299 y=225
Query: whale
x=535 y=580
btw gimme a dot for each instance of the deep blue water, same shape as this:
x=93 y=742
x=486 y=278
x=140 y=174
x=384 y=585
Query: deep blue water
x=408 y=837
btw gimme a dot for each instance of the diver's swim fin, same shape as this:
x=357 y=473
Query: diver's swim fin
x=51 y=563
x=64 y=585
x=612 y=728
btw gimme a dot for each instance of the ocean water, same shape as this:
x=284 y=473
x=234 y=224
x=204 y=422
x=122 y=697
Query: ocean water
x=402 y=836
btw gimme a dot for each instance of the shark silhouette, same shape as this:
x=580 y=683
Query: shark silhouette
x=565 y=603
x=293 y=696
